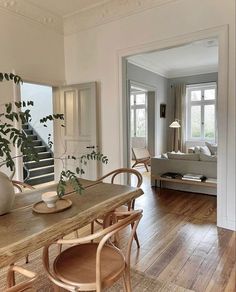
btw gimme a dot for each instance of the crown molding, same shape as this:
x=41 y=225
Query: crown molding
x=107 y=12
x=147 y=68
x=169 y=74
x=33 y=13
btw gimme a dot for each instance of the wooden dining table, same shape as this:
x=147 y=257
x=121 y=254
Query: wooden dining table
x=23 y=231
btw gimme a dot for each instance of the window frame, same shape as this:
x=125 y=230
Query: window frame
x=202 y=103
x=135 y=107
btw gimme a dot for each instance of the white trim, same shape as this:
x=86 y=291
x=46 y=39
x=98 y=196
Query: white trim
x=220 y=32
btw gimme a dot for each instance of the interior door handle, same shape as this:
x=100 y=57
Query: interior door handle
x=90 y=147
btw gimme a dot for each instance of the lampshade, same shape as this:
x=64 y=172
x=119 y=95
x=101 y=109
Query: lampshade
x=175 y=124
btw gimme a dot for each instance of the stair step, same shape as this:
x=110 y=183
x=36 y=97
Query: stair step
x=41 y=163
x=41 y=170
x=41 y=155
x=40 y=149
x=37 y=142
x=33 y=137
x=40 y=179
x=28 y=132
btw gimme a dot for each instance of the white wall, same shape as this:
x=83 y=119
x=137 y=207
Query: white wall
x=32 y=50
x=35 y=52
x=41 y=95
x=93 y=55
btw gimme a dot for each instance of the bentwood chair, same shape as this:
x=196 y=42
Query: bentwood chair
x=21 y=186
x=130 y=205
x=23 y=286
x=89 y=266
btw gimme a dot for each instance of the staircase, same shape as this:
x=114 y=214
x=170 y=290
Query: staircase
x=42 y=171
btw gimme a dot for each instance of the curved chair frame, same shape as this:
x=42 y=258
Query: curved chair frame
x=21 y=185
x=130 y=205
x=132 y=217
x=23 y=286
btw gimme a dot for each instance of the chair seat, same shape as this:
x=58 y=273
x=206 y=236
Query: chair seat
x=77 y=265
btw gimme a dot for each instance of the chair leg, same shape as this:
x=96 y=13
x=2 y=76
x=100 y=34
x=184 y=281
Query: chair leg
x=136 y=236
x=76 y=233
x=27 y=259
x=128 y=280
x=11 y=279
x=146 y=167
x=92 y=227
x=124 y=283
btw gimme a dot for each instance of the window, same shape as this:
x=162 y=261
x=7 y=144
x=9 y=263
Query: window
x=138 y=115
x=201 y=112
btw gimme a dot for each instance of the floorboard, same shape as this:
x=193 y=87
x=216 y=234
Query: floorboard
x=180 y=242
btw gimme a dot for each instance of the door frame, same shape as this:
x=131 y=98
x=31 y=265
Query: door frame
x=17 y=98
x=148 y=89
x=221 y=33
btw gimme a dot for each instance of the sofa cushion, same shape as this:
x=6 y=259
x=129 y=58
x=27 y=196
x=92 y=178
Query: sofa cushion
x=209 y=158
x=205 y=150
x=196 y=149
x=183 y=156
x=212 y=148
x=164 y=155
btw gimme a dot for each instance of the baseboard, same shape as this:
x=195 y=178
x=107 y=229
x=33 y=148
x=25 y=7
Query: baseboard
x=226 y=223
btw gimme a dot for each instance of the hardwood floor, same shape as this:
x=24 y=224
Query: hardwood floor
x=180 y=242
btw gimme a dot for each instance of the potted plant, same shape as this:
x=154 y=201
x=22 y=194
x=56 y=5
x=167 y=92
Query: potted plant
x=12 y=136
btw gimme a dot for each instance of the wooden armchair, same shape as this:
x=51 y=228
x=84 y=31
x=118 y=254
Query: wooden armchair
x=89 y=266
x=23 y=286
x=130 y=205
x=141 y=156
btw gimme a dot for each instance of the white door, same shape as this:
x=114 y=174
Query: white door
x=78 y=103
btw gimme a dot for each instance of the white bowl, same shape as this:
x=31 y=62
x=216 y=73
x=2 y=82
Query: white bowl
x=50 y=199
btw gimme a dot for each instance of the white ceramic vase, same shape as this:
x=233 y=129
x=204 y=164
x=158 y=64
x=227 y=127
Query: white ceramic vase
x=7 y=194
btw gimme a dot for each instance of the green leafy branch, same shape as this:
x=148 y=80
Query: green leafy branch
x=10 y=76
x=10 y=135
x=72 y=177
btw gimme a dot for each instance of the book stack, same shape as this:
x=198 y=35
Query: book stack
x=171 y=175
x=194 y=177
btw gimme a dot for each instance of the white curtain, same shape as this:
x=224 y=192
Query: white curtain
x=179 y=94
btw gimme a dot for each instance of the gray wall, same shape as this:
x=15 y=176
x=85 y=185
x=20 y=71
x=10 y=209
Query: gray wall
x=158 y=84
x=195 y=79
x=162 y=88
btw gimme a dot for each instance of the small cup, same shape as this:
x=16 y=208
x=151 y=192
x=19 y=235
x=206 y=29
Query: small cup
x=50 y=199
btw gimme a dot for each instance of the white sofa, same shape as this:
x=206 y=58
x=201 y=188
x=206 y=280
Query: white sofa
x=161 y=165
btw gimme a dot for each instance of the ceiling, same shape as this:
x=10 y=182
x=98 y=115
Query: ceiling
x=195 y=58
x=66 y=7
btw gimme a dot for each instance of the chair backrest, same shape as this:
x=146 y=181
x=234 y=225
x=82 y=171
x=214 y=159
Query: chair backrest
x=119 y=171
x=23 y=286
x=129 y=218
x=21 y=186
x=140 y=153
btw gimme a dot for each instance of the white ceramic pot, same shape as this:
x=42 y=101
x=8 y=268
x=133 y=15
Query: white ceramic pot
x=7 y=194
x=50 y=199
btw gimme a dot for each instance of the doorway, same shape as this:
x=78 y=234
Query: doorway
x=42 y=171
x=142 y=121
x=221 y=33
